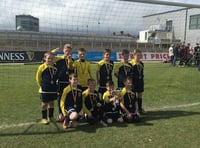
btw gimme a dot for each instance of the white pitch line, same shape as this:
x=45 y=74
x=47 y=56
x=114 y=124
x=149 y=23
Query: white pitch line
x=17 y=125
x=175 y=106
x=152 y=109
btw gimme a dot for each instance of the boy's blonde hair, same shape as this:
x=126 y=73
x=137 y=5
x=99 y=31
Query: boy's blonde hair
x=67 y=46
x=135 y=51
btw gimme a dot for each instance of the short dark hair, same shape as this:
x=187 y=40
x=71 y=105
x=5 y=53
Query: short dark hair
x=110 y=83
x=107 y=50
x=73 y=75
x=125 y=51
x=127 y=78
x=82 y=50
x=90 y=80
x=48 y=53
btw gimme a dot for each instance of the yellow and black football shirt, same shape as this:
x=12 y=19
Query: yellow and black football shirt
x=63 y=70
x=138 y=69
x=109 y=107
x=90 y=100
x=83 y=70
x=105 y=69
x=128 y=99
x=46 y=77
x=138 y=76
x=71 y=99
x=122 y=70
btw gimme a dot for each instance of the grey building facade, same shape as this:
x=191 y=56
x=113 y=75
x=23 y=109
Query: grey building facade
x=27 y=23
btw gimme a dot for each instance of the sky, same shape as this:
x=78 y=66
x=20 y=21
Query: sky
x=82 y=16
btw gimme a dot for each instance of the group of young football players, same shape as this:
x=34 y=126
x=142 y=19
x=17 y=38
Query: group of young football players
x=72 y=84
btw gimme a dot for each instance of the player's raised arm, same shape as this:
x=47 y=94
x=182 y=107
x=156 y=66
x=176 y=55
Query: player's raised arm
x=57 y=57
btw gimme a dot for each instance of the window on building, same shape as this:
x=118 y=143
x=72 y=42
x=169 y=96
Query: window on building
x=194 y=22
x=169 y=25
x=146 y=33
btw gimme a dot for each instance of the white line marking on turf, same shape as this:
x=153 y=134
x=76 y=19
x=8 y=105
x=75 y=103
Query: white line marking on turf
x=17 y=125
x=175 y=106
x=152 y=109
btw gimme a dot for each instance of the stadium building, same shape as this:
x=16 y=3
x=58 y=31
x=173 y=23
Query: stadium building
x=177 y=25
x=27 y=23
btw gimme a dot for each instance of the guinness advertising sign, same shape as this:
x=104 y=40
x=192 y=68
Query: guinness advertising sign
x=21 y=56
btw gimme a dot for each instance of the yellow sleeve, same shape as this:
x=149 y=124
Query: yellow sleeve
x=89 y=69
x=38 y=76
x=97 y=73
x=70 y=63
x=122 y=99
x=85 y=110
x=74 y=65
x=53 y=50
x=62 y=101
x=133 y=62
x=123 y=92
x=105 y=97
x=98 y=66
x=56 y=58
x=116 y=68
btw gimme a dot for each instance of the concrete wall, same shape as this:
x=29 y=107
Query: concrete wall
x=33 y=41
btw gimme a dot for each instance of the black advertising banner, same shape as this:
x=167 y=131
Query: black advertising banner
x=21 y=56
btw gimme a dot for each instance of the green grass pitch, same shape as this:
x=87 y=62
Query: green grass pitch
x=171 y=98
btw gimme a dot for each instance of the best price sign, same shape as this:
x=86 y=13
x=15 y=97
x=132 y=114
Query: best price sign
x=148 y=56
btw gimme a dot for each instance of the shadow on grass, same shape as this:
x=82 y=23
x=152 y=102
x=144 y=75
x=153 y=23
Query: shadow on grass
x=83 y=126
x=146 y=120
x=162 y=115
x=92 y=128
x=28 y=131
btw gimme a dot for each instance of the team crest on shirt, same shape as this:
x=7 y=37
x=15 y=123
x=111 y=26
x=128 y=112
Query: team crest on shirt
x=79 y=94
x=131 y=95
x=111 y=66
x=95 y=97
